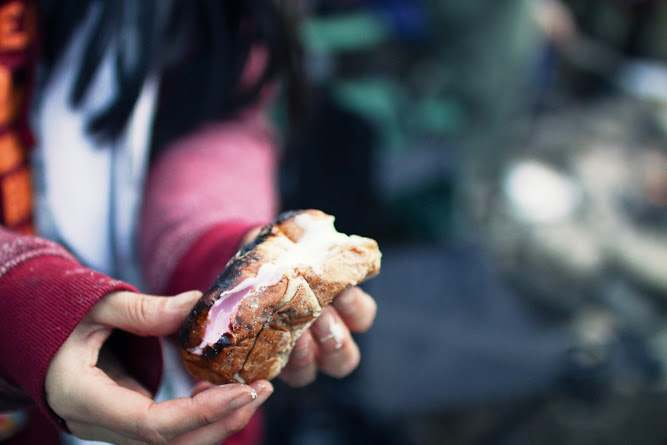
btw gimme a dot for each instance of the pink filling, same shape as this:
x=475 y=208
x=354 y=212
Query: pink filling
x=220 y=316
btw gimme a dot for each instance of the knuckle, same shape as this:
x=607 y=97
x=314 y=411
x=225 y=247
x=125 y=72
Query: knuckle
x=143 y=309
x=138 y=312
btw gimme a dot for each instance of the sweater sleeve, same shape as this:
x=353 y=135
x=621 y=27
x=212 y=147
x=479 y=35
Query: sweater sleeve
x=203 y=194
x=44 y=294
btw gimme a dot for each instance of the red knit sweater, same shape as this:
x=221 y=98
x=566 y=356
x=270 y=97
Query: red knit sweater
x=203 y=194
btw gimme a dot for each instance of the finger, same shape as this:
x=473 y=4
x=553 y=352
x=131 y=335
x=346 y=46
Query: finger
x=174 y=418
x=301 y=369
x=356 y=308
x=144 y=314
x=216 y=432
x=98 y=400
x=337 y=353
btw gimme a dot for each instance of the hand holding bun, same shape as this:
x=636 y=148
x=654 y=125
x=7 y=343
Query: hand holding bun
x=245 y=326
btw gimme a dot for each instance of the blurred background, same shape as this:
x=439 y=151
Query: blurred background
x=511 y=159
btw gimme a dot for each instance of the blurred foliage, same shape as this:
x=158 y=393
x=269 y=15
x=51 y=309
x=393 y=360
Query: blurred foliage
x=422 y=73
x=347 y=32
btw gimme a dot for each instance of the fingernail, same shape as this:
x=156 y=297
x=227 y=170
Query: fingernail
x=264 y=388
x=242 y=400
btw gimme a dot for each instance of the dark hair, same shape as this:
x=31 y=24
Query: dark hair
x=201 y=47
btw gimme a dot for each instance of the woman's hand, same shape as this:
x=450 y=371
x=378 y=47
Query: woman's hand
x=87 y=387
x=328 y=345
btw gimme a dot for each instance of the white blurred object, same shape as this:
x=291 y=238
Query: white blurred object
x=537 y=193
x=646 y=79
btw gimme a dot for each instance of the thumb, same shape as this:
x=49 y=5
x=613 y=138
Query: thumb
x=145 y=315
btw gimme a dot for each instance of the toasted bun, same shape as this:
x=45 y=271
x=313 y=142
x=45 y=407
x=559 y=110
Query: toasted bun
x=245 y=326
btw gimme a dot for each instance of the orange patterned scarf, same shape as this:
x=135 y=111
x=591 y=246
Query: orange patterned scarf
x=17 y=48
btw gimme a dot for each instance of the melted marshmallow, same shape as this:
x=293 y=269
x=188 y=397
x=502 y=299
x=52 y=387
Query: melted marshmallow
x=314 y=248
